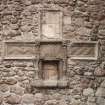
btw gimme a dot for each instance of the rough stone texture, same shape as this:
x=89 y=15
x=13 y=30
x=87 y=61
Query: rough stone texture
x=51 y=102
x=13 y=99
x=100 y=101
x=17 y=90
x=88 y=92
x=83 y=20
x=100 y=92
x=28 y=99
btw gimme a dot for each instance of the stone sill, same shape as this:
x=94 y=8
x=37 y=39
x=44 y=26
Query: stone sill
x=49 y=83
x=84 y=58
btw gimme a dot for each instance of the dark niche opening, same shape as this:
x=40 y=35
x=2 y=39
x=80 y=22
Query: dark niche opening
x=50 y=70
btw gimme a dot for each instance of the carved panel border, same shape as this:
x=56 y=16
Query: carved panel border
x=20 y=50
x=84 y=50
x=60 y=24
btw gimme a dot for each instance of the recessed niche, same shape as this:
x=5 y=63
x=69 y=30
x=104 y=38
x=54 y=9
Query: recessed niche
x=51 y=74
x=84 y=50
x=50 y=70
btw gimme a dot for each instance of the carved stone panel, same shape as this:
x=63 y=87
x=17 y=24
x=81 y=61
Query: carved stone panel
x=84 y=50
x=20 y=50
x=51 y=25
x=51 y=50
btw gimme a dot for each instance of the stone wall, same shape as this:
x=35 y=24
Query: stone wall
x=83 y=20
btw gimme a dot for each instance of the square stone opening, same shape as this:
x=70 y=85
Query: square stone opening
x=50 y=70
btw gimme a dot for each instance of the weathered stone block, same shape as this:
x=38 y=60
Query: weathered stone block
x=4 y=88
x=99 y=72
x=51 y=102
x=100 y=101
x=91 y=99
x=88 y=92
x=39 y=96
x=50 y=83
x=17 y=90
x=27 y=99
x=100 y=92
x=10 y=81
x=62 y=83
x=37 y=83
x=91 y=103
x=13 y=99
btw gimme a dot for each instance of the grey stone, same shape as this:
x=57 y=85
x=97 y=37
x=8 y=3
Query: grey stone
x=75 y=102
x=88 y=73
x=78 y=22
x=83 y=31
x=99 y=72
x=91 y=99
x=38 y=96
x=17 y=89
x=90 y=103
x=102 y=32
x=27 y=2
x=100 y=92
x=88 y=92
x=50 y=83
x=4 y=87
x=14 y=26
x=88 y=24
x=11 y=81
x=51 y=102
x=100 y=101
x=67 y=20
x=28 y=99
x=13 y=99
x=77 y=96
x=25 y=28
x=62 y=102
x=37 y=83
x=103 y=84
x=39 y=99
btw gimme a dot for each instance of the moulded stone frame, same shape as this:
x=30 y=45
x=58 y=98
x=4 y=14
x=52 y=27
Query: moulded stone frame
x=6 y=57
x=61 y=23
x=62 y=81
x=95 y=57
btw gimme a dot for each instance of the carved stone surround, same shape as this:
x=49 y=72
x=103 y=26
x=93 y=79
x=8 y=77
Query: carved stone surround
x=20 y=50
x=51 y=51
x=87 y=50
